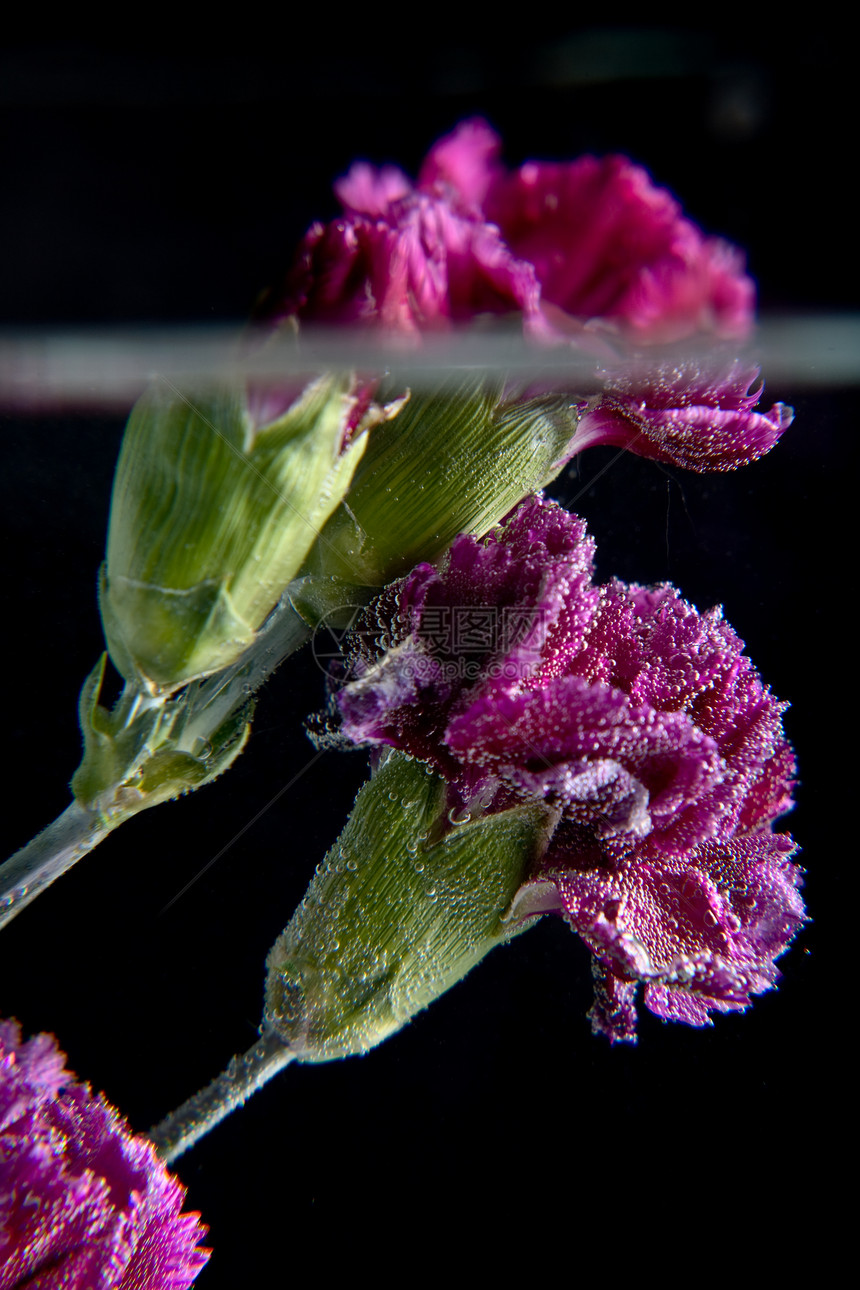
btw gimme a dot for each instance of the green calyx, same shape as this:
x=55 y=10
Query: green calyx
x=455 y=460
x=133 y=755
x=402 y=907
x=210 y=520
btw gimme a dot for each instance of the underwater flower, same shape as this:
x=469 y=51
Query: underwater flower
x=83 y=1201
x=701 y=930
x=589 y=253
x=692 y=414
x=604 y=241
x=636 y=717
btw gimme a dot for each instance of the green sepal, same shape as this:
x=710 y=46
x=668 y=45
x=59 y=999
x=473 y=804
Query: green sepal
x=98 y=767
x=131 y=759
x=327 y=600
x=399 y=911
x=210 y=520
x=455 y=460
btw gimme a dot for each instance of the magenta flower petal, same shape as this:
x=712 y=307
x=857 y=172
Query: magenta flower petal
x=464 y=163
x=613 y=1012
x=702 y=931
x=664 y=655
x=692 y=415
x=364 y=190
x=607 y=243
x=414 y=263
x=335 y=275
x=622 y=768
x=488 y=611
x=81 y=1197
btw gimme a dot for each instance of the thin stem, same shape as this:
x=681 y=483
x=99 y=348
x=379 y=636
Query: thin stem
x=195 y=715
x=29 y=871
x=243 y=1076
x=208 y=703
x=192 y=717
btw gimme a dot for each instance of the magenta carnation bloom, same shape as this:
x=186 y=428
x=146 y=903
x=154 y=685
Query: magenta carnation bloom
x=405 y=260
x=603 y=240
x=84 y=1203
x=638 y=719
x=589 y=253
x=696 y=415
x=560 y=243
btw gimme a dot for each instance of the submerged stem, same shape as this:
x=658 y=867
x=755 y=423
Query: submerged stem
x=29 y=871
x=210 y=702
x=243 y=1076
x=125 y=744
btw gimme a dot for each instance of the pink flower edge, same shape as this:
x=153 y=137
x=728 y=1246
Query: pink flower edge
x=82 y=1195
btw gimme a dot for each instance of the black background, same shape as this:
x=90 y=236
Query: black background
x=156 y=183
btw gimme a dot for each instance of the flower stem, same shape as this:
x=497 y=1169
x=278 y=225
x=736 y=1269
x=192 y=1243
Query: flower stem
x=184 y=722
x=210 y=702
x=243 y=1076
x=29 y=871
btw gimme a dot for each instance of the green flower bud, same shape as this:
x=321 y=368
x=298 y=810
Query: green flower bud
x=454 y=460
x=399 y=911
x=210 y=520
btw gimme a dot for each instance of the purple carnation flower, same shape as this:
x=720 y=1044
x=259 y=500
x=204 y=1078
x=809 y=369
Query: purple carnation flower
x=603 y=240
x=589 y=253
x=581 y=240
x=84 y=1203
x=636 y=718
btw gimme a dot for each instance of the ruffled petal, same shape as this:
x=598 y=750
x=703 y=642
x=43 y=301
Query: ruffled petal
x=366 y=190
x=596 y=756
x=694 y=415
x=83 y=1199
x=702 y=931
x=420 y=263
x=463 y=163
x=607 y=243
